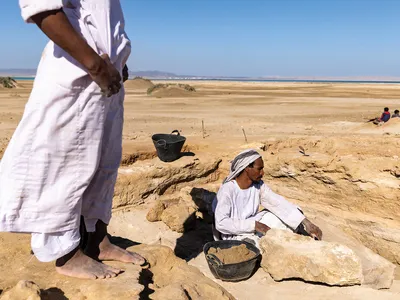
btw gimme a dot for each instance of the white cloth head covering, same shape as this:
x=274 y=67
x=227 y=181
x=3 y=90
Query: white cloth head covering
x=240 y=162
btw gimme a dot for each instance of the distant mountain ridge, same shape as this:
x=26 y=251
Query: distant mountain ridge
x=153 y=74
x=18 y=72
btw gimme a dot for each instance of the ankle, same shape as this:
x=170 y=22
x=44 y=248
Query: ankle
x=67 y=257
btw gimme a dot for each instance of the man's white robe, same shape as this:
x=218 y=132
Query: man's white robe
x=236 y=210
x=63 y=158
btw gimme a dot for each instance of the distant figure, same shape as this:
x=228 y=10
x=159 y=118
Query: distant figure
x=396 y=114
x=384 y=117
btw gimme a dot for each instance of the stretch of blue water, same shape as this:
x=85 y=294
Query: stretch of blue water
x=260 y=80
x=24 y=78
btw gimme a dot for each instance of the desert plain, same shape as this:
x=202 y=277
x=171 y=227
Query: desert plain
x=349 y=179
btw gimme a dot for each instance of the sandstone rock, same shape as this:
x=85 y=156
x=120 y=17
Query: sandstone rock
x=155 y=212
x=344 y=173
x=24 y=290
x=377 y=237
x=16 y=262
x=173 y=275
x=377 y=271
x=125 y=286
x=153 y=178
x=171 y=292
x=199 y=198
x=287 y=255
x=179 y=217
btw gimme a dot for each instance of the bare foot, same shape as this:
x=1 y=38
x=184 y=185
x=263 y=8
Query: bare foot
x=109 y=251
x=77 y=264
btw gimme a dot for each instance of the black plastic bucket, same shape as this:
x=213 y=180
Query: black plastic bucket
x=231 y=272
x=168 y=146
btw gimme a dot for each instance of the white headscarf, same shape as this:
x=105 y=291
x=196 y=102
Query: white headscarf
x=240 y=162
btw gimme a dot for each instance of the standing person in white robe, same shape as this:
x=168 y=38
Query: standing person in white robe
x=62 y=160
x=236 y=205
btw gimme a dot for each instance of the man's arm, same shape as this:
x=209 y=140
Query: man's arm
x=287 y=212
x=57 y=27
x=280 y=207
x=55 y=24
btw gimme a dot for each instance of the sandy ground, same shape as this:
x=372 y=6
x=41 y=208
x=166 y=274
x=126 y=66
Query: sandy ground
x=266 y=111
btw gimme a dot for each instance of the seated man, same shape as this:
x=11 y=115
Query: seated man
x=384 y=117
x=396 y=114
x=236 y=206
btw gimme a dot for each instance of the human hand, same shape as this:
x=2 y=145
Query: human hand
x=125 y=73
x=312 y=229
x=106 y=76
x=261 y=228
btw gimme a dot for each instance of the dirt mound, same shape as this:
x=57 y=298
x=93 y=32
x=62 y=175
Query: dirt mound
x=233 y=255
x=390 y=127
x=393 y=122
x=8 y=83
x=138 y=83
x=171 y=90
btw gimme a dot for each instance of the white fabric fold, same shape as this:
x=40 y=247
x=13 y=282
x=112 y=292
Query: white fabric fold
x=240 y=162
x=48 y=247
x=29 y=8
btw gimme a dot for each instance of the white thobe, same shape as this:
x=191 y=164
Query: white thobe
x=63 y=158
x=237 y=210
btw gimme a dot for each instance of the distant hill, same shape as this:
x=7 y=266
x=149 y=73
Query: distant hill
x=18 y=72
x=153 y=74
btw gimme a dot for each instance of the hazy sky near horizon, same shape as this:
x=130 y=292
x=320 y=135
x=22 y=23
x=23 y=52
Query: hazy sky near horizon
x=240 y=37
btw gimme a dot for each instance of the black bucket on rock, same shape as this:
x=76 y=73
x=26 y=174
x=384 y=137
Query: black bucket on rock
x=168 y=146
x=231 y=272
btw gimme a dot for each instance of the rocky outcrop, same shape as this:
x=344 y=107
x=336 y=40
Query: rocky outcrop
x=24 y=290
x=347 y=171
x=154 y=214
x=378 y=272
x=287 y=256
x=345 y=174
x=179 y=217
x=154 y=178
x=174 y=279
x=42 y=280
x=383 y=240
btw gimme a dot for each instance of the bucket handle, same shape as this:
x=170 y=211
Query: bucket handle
x=214 y=259
x=162 y=143
x=177 y=131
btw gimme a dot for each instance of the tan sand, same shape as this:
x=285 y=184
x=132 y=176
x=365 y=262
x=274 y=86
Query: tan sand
x=233 y=255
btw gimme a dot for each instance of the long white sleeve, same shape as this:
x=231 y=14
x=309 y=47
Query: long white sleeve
x=30 y=8
x=280 y=207
x=227 y=225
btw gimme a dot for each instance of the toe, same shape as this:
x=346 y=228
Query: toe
x=112 y=275
x=100 y=275
x=138 y=259
x=113 y=270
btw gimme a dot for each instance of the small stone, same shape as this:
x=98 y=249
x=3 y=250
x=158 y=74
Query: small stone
x=155 y=212
x=179 y=218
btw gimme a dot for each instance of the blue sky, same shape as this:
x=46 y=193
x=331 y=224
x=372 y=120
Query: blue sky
x=241 y=37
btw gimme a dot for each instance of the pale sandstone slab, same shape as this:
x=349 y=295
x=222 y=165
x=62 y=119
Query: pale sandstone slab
x=288 y=256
